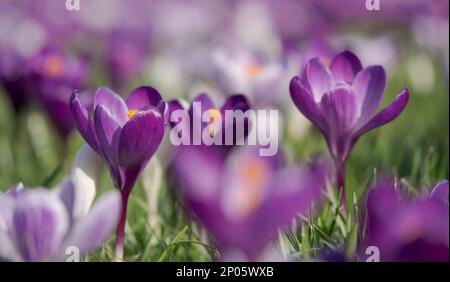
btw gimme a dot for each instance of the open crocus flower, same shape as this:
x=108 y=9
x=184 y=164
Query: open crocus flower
x=403 y=230
x=38 y=224
x=239 y=71
x=342 y=101
x=54 y=225
x=125 y=134
x=243 y=199
x=217 y=123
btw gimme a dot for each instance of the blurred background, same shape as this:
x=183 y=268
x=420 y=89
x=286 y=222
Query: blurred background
x=187 y=47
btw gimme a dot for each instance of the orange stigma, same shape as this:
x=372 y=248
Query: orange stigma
x=214 y=117
x=253 y=70
x=255 y=174
x=54 y=66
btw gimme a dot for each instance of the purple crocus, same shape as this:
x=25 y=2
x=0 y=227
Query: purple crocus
x=54 y=74
x=403 y=230
x=217 y=114
x=341 y=101
x=243 y=199
x=125 y=57
x=125 y=134
x=42 y=225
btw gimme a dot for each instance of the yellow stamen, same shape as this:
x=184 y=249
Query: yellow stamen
x=131 y=113
x=214 y=117
x=54 y=66
x=253 y=70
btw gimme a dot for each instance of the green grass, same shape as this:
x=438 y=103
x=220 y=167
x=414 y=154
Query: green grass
x=413 y=148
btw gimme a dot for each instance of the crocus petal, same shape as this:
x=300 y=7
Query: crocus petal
x=113 y=103
x=440 y=191
x=40 y=223
x=108 y=133
x=83 y=176
x=6 y=204
x=199 y=158
x=339 y=110
x=317 y=79
x=345 y=66
x=91 y=231
x=15 y=191
x=81 y=118
x=7 y=251
x=236 y=102
x=173 y=106
x=386 y=115
x=369 y=86
x=142 y=97
x=140 y=137
x=306 y=104
x=297 y=189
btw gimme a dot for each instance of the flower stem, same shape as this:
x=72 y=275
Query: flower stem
x=340 y=177
x=120 y=233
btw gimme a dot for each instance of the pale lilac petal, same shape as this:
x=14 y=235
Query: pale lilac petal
x=345 y=66
x=6 y=209
x=84 y=175
x=91 y=231
x=440 y=191
x=317 y=79
x=113 y=103
x=40 y=223
x=15 y=191
x=7 y=250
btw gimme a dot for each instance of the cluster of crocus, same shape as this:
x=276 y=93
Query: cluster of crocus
x=125 y=134
x=41 y=224
x=342 y=100
x=243 y=199
x=402 y=230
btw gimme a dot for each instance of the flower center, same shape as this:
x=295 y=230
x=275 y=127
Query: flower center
x=253 y=70
x=54 y=66
x=131 y=113
x=215 y=115
x=254 y=176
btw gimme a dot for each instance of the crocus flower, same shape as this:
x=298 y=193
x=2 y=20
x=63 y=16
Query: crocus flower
x=233 y=103
x=125 y=134
x=14 y=80
x=54 y=74
x=416 y=230
x=341 y=101
x=48 y=225
x=37 y=224
x=125 y=57
x=243 y=71
x=243 y=199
